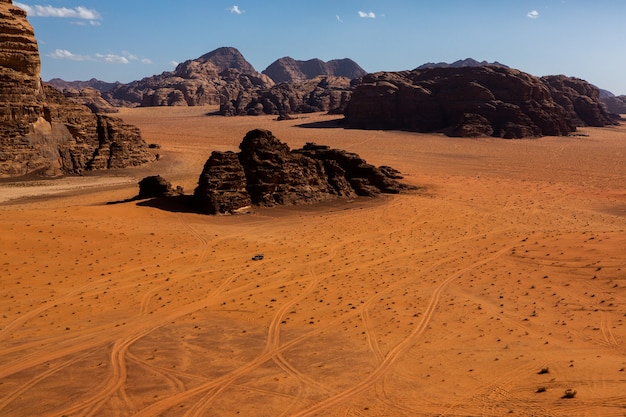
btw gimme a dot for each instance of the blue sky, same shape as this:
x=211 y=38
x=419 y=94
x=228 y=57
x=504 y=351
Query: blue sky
x=125 y=40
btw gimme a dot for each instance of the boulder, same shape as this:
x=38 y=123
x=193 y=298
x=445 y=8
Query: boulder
x=156 y=186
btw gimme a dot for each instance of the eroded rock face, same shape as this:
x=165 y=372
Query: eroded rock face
x=580 y=99
x=267 y=173
x=157 y=186
x=91 y=98
x=40 y=130
x=471 y=101
x=324 y=93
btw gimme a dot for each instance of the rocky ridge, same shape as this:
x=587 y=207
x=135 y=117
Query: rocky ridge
x=289 y=70
x=219 y=75
x=475 y=101
x=40 y=130
x=266 y=172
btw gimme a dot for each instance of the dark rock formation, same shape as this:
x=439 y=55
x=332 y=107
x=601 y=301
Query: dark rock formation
x=580 y=99
x=290 y=70
x=267 y=173
x=157 y=186
x=40 y=130
x=214 y=77
x=473 y=101
x=329 y=94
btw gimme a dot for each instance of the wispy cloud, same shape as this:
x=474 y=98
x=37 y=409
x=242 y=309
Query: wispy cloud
x=79 y=12
x=368 y=15
x=65 y=54
x=235 y=9
x=110 y=58
x=339 y=19
x=533 y=14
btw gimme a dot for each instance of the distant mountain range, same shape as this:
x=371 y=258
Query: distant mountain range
x=210 y=65
x=224 y=77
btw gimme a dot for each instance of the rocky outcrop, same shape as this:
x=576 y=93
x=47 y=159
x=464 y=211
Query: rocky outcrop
x=328 y=94
x=214 y=77
x=40 y=130
x=290 y=70
x=267 y=173
x=473 y=101
x=580 y=99
x=91 y=98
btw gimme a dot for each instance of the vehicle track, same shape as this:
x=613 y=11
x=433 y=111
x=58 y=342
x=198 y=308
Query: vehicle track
x=401 y=347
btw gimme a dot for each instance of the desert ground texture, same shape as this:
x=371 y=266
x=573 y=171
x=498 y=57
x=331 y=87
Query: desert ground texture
x=493 y=290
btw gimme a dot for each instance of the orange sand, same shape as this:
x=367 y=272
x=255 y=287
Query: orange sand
x=445 y=302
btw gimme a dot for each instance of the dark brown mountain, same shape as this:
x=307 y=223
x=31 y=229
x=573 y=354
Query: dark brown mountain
x=40 y=130
x=475 y=101
x=289 y=70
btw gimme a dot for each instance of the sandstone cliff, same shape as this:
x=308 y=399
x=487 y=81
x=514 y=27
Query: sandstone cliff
x=474 y=101
x=267 y=173
x=289 y=70
x=40 y=130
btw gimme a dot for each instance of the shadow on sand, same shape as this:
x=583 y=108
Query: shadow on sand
x=326 y=124
x=174 y=204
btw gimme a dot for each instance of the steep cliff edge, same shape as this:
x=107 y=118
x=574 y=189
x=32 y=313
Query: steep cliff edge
x=40 y=130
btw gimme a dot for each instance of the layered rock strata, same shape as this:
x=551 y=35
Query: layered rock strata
x=40 y=130
x=474 y=101
x=266 y=172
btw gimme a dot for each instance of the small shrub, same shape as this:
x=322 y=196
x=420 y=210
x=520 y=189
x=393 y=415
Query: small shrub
x=569 y=393
x=541 y=389
x=544 y=371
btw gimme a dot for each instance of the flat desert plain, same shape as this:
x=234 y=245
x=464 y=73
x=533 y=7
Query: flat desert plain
x=493 y=290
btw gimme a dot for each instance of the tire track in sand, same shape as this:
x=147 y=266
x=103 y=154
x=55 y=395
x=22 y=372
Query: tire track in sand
x=401 y=347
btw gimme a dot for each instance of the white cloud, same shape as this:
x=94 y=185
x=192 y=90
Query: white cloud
x=174 y=64
x=235 y=9
x=339 y=19
x=124 y=58
x=533 y=14
x=79 y=12
x=112 y=59
x=65 y=54
x=369 y=15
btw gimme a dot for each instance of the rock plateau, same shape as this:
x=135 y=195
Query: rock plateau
x=475 y=101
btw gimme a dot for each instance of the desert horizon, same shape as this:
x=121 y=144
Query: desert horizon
x=495 y=289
